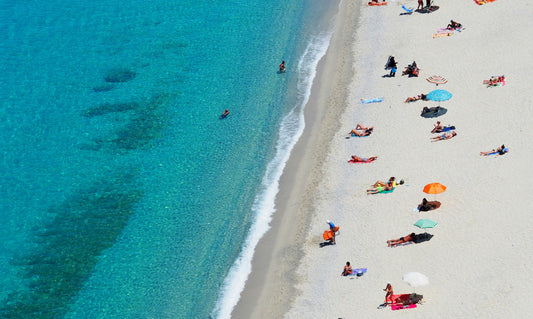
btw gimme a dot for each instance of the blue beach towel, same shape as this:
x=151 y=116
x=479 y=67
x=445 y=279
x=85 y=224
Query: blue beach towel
x=448 y=128
x=358 y=272
x=374 y=100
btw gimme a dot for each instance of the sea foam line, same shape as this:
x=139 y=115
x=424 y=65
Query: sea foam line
x=291 y=128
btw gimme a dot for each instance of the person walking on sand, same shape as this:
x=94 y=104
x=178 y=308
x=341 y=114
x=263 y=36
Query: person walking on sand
x=420 y=5
x=332 y=228
x=389 y=293
x=347 y=269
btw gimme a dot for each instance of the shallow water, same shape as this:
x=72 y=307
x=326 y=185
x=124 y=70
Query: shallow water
x=124 y=194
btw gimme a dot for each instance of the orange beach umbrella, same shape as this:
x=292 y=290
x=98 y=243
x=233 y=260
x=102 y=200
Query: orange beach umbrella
x=434 y=188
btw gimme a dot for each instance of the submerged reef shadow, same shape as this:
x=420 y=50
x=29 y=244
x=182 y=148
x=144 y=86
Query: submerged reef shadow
x=145 y=122
x=67 y=246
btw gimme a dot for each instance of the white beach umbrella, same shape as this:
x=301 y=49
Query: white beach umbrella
x=415 y=279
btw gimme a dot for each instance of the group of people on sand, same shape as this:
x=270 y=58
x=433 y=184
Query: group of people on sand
x=495 y=80
x=380 y=187
x=361 y=130
x=421 y=4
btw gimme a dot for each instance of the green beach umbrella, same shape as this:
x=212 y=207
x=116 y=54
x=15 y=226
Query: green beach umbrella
x=425 y=223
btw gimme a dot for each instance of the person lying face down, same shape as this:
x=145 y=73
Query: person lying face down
x=401 y=240
x=427 y=205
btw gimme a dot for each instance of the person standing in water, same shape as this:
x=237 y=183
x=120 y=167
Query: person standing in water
x=225 y=114
x=282 y=66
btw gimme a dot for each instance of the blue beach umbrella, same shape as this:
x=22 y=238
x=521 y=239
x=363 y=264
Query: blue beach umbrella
x=439 y=95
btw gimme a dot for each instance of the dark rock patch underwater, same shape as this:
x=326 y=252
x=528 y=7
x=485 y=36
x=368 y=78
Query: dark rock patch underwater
x=67 y=247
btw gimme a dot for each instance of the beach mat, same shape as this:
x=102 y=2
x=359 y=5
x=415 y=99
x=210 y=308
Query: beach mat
x=399 y=307
x=358 y=272
x=374 y=100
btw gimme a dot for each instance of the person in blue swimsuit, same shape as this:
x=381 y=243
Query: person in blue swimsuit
x=445 y=136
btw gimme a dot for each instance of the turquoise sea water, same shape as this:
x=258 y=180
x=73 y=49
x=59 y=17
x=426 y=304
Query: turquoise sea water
x=123 y=193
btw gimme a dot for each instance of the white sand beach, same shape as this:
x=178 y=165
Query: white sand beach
x=478 y=260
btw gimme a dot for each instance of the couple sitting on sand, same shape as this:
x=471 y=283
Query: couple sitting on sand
x=380 y=186
x=411 y=70
x=361 y=130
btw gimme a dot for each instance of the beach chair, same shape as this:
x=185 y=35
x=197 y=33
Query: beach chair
x=407 y=10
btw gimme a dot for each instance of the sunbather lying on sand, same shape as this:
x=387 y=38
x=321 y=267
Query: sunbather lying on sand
x=357 y=159
x=420 y=96
x=361 y=130
x=391 y=181
x=445 y=136
x=426 y=206
x=401 y=240
x=381 y=188
x=498 y=151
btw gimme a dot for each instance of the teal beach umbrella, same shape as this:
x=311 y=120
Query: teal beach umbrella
x=425 y=223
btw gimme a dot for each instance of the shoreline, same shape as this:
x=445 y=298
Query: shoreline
x=271 y=286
